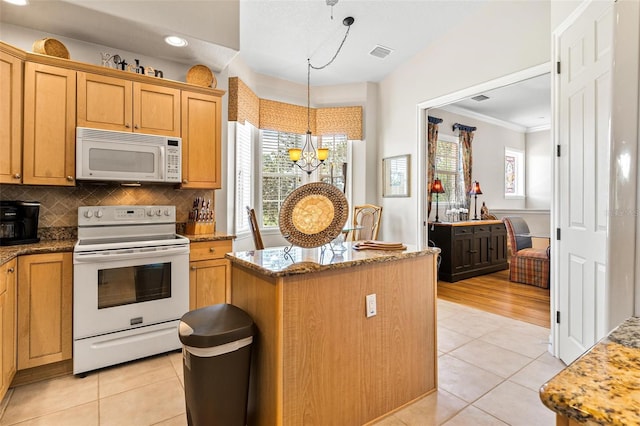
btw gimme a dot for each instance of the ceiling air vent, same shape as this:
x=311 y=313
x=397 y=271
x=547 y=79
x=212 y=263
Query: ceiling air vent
x=380 y=51
x=480 y=98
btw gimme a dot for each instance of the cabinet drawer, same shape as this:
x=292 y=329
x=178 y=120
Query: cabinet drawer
x=498 y=228
x=482 y=228
x=205 y=250
x=462 y=230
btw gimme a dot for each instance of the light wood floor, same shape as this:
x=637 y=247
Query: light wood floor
x=496 y=294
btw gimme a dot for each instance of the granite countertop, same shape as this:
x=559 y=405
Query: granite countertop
x=603 y=385
x=66 y=244
x=283 y=261
x=45 y=246
x=216 y=236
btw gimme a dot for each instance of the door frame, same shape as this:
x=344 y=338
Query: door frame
x=421 y=150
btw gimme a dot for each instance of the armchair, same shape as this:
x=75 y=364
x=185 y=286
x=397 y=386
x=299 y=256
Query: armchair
x=527 y=265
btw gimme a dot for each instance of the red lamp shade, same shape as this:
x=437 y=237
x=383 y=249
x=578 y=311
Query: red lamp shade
x=475 y=188
x=436 y=187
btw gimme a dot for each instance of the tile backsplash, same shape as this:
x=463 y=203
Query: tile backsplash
x=59 y=205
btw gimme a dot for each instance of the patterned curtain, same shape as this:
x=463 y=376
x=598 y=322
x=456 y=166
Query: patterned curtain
x=432 y=143
x=466 y=137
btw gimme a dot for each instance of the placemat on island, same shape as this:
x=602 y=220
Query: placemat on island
x=378 y=245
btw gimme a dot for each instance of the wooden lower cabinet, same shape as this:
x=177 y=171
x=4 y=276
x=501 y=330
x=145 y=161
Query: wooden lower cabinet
x=45 y=309
x=8 y=277
x=209 y=274
x=469 y=248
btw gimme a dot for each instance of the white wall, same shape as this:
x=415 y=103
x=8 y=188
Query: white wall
x=539 y=161
x=502 y=38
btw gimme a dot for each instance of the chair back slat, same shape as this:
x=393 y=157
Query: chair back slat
x=255 y=230
x=367 y=217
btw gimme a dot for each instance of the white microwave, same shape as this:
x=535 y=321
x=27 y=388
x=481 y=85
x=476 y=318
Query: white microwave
x=105 y=155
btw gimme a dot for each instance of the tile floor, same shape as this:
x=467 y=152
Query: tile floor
x=490 y=369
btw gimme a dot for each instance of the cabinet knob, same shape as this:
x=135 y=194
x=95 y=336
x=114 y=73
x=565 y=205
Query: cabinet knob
x=10 y=270
x=212 y=250
x=193 y=268
x=127 y=125
x=185 y=181
x=70 y=178
x=136 y=127
x=17 y=176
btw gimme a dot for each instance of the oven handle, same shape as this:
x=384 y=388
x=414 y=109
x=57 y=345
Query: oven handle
x=109 y=256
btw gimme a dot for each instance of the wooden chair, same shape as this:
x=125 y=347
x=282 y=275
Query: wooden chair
x=255 y=230
x=527 y=265
x=367 y=218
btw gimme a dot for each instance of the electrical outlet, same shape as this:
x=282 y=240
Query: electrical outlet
x=370 y=302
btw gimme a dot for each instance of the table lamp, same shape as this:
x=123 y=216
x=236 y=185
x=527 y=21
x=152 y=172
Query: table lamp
x=475 y=190
x=437 y=188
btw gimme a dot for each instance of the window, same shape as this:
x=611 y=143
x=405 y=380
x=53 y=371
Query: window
x=334 y=169
x=244 y=174
x=278 y=177
x=449 y=170
x=513 y=173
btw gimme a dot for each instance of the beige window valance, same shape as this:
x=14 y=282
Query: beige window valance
x=244 y=105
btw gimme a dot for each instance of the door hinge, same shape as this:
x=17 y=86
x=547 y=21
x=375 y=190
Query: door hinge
x=558 y=67
x=558 y=234
x=557 y=317
x=558 y=150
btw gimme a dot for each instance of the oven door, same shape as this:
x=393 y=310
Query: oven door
x=117 y=290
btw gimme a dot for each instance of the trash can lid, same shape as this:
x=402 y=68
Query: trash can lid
x=215 y=325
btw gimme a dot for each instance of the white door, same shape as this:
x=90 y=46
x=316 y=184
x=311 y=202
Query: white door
x=584 y=96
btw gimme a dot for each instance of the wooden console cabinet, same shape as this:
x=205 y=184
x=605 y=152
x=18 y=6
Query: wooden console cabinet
x=469 y=248
x=210 y=273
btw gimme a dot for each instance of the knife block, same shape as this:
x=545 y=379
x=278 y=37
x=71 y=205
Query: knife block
x=197 y=228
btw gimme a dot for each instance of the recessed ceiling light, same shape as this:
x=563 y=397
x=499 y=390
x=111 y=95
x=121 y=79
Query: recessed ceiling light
x=175 y=41
x=18 y=2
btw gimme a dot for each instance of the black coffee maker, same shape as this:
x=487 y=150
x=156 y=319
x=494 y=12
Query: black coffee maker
x=19 y=222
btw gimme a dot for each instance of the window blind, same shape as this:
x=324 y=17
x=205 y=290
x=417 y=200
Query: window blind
x=244 y=175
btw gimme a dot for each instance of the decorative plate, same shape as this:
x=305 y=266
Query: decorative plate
x=313 y=215
x=201 y=75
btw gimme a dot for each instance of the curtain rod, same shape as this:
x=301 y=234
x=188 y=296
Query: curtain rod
x=434 y=120
x=463 y=127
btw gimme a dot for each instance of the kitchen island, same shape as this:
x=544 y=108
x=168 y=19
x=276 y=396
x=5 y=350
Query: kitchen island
x=318 y=358
x=600 y=387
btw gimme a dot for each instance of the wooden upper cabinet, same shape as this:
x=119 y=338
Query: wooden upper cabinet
x=156 y=110
x=49 y=125
x=201 y=127
x=105 y=102
x=10 y=119
x=115 y=104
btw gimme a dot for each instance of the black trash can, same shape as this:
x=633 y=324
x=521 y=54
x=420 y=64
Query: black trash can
x=216 y=359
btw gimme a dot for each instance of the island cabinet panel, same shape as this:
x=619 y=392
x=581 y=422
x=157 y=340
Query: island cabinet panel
x=10 y=119
x=45 y=294
x=201 y=147
x=49 y=125
x=469 y=248
x=319 y=359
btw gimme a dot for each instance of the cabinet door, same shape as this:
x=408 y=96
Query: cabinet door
x=201 y=125
x=105 y=102
x=44 y=309
x=208 y=282
x=482 y=246
x=10 y=119
x=8 y=325
x=498 y=244
x=156 y=110
x=49 y=125
x=462 y=249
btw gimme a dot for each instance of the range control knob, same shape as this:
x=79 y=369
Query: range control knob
x=99 y=213
x=159 y=212
x=149 y=212
x=167 y=212
x=88 y=214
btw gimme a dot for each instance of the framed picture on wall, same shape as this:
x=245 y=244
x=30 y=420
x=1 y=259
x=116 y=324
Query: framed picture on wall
x=396 y=176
